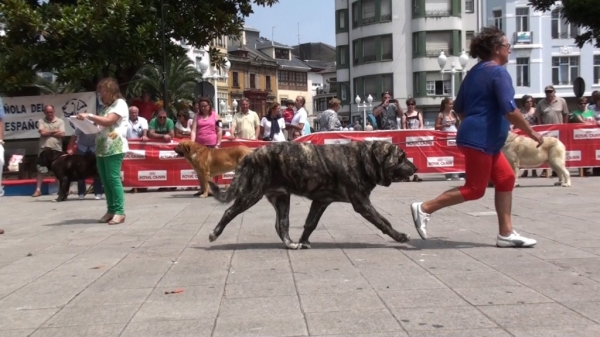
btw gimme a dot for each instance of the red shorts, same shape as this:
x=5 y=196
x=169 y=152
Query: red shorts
x=480 y=168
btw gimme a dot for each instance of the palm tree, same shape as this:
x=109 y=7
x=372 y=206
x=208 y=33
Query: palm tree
x=182 y=77
x=48 y=87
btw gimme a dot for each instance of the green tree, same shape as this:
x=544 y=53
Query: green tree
x=47 y=87
x=182 y=77
x=83 y=41
x=583 y=13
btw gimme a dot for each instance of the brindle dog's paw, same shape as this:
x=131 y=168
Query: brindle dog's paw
x=293 y=246
x=212 y=237
x=304 y=245
x=404 y=238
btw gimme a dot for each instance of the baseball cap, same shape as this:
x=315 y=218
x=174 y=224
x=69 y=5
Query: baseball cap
x=549 y=88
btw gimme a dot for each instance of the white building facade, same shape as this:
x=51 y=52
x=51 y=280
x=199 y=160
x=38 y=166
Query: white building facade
x=543 y=50
x=393 y=45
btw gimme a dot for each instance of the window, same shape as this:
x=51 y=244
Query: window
x=436 y=42
x=282 y=54
x=522 y=16
x=522 y=71
x=341 y=20
x=415 y=43
x=469 y=6
x=438 y=87
x=292 y=80
x=373 y=85
x=373 y=49
x=596 y=69
x=356 y=49
x=387 y=53
x=497 y=14
x=236 y=80
x=355 y=14
x=468 y=37
x=268 y=82
x=416 y=84
x=565 y=69
x=560 y=28
x=438 y=8
x=369 y=50
x=368 y=11
x=342 y=56
x=252 y=81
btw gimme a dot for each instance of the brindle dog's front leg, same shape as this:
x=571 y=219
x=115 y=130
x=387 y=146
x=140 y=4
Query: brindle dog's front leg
x=366 y=209
x=317 y=208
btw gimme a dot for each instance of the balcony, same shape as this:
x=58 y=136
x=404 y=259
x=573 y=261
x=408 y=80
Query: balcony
x=435 y=52
x=437 y=13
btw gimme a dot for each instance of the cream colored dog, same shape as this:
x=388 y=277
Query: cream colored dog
x=522 y=152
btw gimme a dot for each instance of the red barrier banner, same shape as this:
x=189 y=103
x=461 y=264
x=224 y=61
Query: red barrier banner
x=155 y=164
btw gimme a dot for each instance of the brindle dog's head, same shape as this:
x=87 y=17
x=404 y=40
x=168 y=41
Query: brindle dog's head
x=184 y=148
x=390 y=163
x=47 y=157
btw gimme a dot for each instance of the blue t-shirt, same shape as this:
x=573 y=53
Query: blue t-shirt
x=485 y=97
x=1 y=109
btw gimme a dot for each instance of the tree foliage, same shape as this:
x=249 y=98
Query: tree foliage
x=83 y=41
x=583 y=13
x=181 y=80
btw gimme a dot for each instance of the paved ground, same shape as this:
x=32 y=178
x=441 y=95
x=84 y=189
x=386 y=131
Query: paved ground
x=63 y=274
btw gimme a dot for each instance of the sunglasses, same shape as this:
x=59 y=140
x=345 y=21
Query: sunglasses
x=549 y=92
x=411 y=104
x=162 y=117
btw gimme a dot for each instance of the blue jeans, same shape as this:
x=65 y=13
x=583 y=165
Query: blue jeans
x=81 y=183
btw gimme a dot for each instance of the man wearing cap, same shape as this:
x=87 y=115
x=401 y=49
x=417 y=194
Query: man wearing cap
x=551 y=110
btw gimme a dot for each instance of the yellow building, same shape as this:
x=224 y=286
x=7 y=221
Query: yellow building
x=254 y=77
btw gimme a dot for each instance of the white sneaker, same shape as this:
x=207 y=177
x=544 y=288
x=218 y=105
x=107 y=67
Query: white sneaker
x=98 y=197
x=81 y=196
x=420 y=218
x=514 y=240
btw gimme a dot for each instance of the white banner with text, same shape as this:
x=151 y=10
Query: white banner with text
x=23 y=113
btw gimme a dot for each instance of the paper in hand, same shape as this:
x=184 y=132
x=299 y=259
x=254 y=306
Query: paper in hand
x=86 y=126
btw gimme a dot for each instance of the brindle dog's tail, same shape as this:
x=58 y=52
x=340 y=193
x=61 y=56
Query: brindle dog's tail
x=251 y=178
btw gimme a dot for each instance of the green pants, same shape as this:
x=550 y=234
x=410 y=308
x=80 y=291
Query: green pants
x=109 y=169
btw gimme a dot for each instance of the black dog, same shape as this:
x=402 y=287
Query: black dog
x=322 y=173
x=68 y=168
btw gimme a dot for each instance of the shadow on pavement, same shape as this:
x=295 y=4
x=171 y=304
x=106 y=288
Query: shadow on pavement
x=75 y=222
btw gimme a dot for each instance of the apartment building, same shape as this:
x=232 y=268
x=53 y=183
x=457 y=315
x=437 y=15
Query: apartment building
x=543 y=50
x=385 y=45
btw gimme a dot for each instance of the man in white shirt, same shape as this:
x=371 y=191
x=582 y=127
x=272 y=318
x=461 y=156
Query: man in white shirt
x=137 y=128
x=296 y=127
x=245 y=123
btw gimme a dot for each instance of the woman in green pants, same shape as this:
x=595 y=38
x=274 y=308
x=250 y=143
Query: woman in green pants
x=111 y=146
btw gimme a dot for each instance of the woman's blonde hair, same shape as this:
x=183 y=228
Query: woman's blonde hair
x=334 y=102
x=273 y=106
x=111 y=86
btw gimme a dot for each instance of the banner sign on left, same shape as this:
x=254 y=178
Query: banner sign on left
x=23 y=113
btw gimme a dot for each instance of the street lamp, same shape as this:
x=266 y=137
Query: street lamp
x=164 y=52
x=463 y=60
x=225 y=108
x=204 y=64
x=364 y=106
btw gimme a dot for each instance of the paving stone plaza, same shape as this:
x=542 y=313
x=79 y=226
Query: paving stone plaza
x=63 y=274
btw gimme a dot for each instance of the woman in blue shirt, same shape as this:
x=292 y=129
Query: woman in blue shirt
x=486 y=106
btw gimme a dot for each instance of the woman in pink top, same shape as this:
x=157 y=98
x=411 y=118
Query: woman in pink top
x=206 y=128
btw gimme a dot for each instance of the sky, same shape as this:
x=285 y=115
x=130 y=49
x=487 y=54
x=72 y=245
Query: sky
x=316 y=18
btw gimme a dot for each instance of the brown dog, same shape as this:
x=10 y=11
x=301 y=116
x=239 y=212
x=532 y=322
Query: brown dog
x=209 y=162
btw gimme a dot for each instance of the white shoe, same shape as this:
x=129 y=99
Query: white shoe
x=98 y=197
x=420 y=218
x=514 y=240
x=81 y=197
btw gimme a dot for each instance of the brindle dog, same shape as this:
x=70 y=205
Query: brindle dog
x=322 y=173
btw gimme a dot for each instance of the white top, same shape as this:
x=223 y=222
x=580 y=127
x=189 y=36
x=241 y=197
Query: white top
x=136 y=129
x=186 y=129
x=112 y=139
x=266 y=124
x=300 y=117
